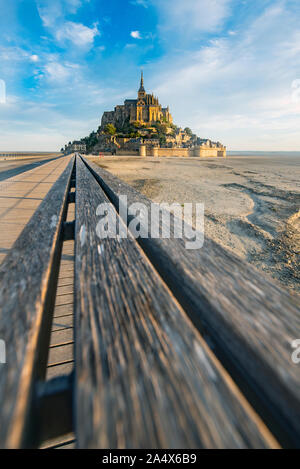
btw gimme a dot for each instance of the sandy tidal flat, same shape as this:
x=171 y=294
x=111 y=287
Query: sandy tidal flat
x=252 y=204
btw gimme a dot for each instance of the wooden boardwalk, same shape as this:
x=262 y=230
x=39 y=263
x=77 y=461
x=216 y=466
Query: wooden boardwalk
x=21 y=195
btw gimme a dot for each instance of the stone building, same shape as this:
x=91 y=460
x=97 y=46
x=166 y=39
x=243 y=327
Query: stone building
x=76 y=146
x=146 y=109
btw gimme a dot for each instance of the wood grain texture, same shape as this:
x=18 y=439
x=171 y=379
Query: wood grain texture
x=144 y=377
x=249 y=319
x=27 y=294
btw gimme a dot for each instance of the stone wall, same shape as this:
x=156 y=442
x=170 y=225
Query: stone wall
x=184 y=152
x=206 y=152
x=118 y=117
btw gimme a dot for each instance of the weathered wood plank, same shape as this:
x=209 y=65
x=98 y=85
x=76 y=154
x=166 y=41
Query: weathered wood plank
x=250 y=320
x=144 y=377
x=28 y=279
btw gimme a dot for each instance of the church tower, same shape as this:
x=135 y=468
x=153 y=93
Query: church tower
x=142 y=92
x=146 y=109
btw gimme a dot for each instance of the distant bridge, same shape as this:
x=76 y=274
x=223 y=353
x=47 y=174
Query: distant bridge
x=26 y=154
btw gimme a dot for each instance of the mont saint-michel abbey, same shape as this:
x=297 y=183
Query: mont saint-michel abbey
x=142 y=126
x=146 y=109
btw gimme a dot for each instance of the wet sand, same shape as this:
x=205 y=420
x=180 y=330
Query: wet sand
x=252 y=204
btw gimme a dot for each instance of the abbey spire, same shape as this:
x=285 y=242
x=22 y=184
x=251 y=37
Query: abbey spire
x=142 y=82
x=142 y=92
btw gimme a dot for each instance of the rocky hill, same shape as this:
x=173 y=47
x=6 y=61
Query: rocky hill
x=130 y=136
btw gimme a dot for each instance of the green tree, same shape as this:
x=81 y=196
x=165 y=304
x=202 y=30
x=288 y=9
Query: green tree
x=137 y=124
x=110 y=129
x=188 y=131
x=161 y=128
x=162 y=140
x=90 y=141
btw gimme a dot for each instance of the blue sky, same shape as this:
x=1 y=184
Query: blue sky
x=229 y=69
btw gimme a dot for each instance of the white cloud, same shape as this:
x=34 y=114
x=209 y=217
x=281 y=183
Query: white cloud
x=142 y=3
x=189 y=16
x=77 y=33
x=74 y=5
x=136 y=34
x=14 y=60
x=53 y=13
x=39 y=126
x=59 y=72
x=51 y=10
x=99 y=48
x=13 y=54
